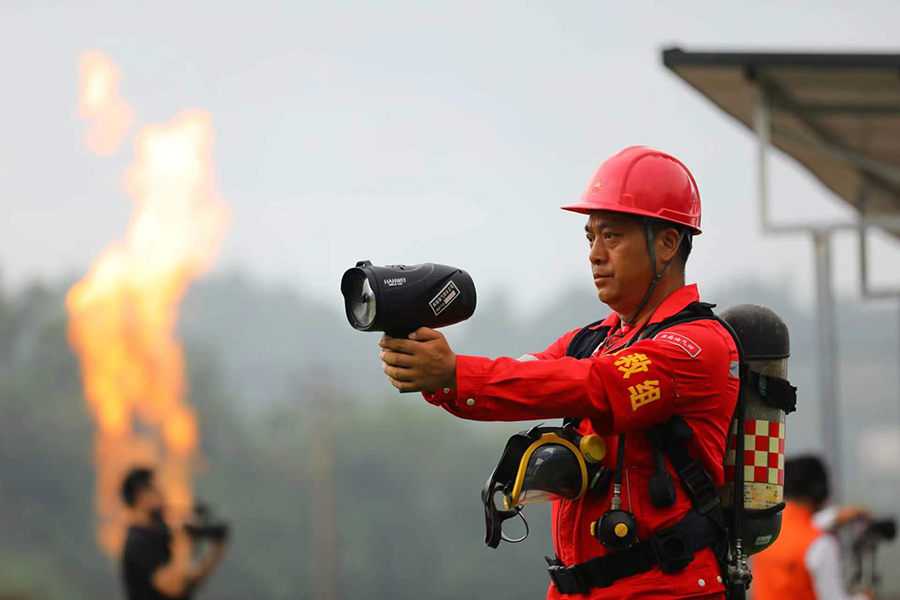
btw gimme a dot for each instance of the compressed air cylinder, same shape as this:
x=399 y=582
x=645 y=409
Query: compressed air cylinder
x=766 y=343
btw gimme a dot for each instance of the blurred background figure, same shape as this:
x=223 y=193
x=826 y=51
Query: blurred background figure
x=805 y=563
x=867 y=537
x=159 y=562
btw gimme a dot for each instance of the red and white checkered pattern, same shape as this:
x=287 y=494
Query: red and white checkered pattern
x=763 y=453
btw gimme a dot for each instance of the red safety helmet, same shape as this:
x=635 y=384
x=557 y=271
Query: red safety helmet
x=644 y=182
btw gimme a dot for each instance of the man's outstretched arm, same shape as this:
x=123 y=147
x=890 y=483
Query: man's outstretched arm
x=632 y=389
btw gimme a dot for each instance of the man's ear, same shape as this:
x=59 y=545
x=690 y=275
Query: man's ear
x=667 y=244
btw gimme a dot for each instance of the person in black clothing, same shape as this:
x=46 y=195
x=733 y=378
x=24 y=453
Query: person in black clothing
x=157 y=563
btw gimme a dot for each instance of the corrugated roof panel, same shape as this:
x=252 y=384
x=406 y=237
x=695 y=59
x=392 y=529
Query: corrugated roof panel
x=838 y=115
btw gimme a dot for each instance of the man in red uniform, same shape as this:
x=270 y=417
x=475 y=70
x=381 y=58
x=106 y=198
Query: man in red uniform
x=643 y=208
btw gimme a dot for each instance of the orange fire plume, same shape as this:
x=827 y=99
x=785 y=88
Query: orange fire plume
x=99 y=101
x=123 y=312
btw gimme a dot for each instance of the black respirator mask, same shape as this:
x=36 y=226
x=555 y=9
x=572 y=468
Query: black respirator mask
x=541 y=465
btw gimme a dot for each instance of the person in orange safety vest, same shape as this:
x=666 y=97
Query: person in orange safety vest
x=804 y=563
x=643 y=209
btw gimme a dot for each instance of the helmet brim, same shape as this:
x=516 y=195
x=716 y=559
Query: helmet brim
x=585 y=208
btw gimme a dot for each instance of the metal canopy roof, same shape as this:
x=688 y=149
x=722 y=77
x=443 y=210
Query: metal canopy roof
x=836 y=114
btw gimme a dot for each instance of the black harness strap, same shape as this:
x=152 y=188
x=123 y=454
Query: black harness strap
x=587 y=340
x=695 y=311
x=671 y=548
x=775 y=391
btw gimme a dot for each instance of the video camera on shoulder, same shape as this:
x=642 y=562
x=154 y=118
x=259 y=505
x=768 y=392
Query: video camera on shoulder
x=875 y=533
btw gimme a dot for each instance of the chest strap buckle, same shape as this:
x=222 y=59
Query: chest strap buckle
x=699 y=487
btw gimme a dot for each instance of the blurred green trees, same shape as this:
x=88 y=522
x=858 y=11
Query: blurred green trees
x=406 y=483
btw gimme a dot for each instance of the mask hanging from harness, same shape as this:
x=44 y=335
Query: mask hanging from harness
x=540 y=465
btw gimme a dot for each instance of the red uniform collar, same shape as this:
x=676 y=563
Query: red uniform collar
x=672 y=305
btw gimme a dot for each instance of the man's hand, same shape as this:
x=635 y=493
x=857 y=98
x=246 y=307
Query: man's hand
x=218 y=548
x=851 y=513
x=181 y=574
x=423 y=363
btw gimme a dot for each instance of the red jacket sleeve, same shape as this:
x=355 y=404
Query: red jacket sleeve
x=447 y=398
x=685 y=369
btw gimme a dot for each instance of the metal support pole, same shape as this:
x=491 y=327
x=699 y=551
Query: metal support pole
x=324 y=559
x=825 y=317
x=862 y=198
x=762 y=123
x=827 y=367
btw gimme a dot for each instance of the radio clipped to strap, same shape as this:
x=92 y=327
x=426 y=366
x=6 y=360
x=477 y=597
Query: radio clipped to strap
x=661 y=483
x=671 y=439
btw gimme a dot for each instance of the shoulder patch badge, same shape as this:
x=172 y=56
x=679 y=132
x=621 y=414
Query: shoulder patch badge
x=685 y=343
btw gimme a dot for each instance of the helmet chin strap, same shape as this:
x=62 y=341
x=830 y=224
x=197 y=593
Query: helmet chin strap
x=651 y=248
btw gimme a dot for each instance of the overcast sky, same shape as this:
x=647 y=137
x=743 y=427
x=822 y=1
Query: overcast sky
x=409 y=131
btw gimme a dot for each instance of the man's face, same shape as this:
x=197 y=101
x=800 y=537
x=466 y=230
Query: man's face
x=619 y=259
x=150 y=499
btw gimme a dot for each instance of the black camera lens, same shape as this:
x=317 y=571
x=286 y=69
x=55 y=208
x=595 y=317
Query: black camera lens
x=362 y=300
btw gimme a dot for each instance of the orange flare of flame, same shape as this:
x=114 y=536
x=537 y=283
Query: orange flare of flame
x=99 y=101
x=123 y=312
